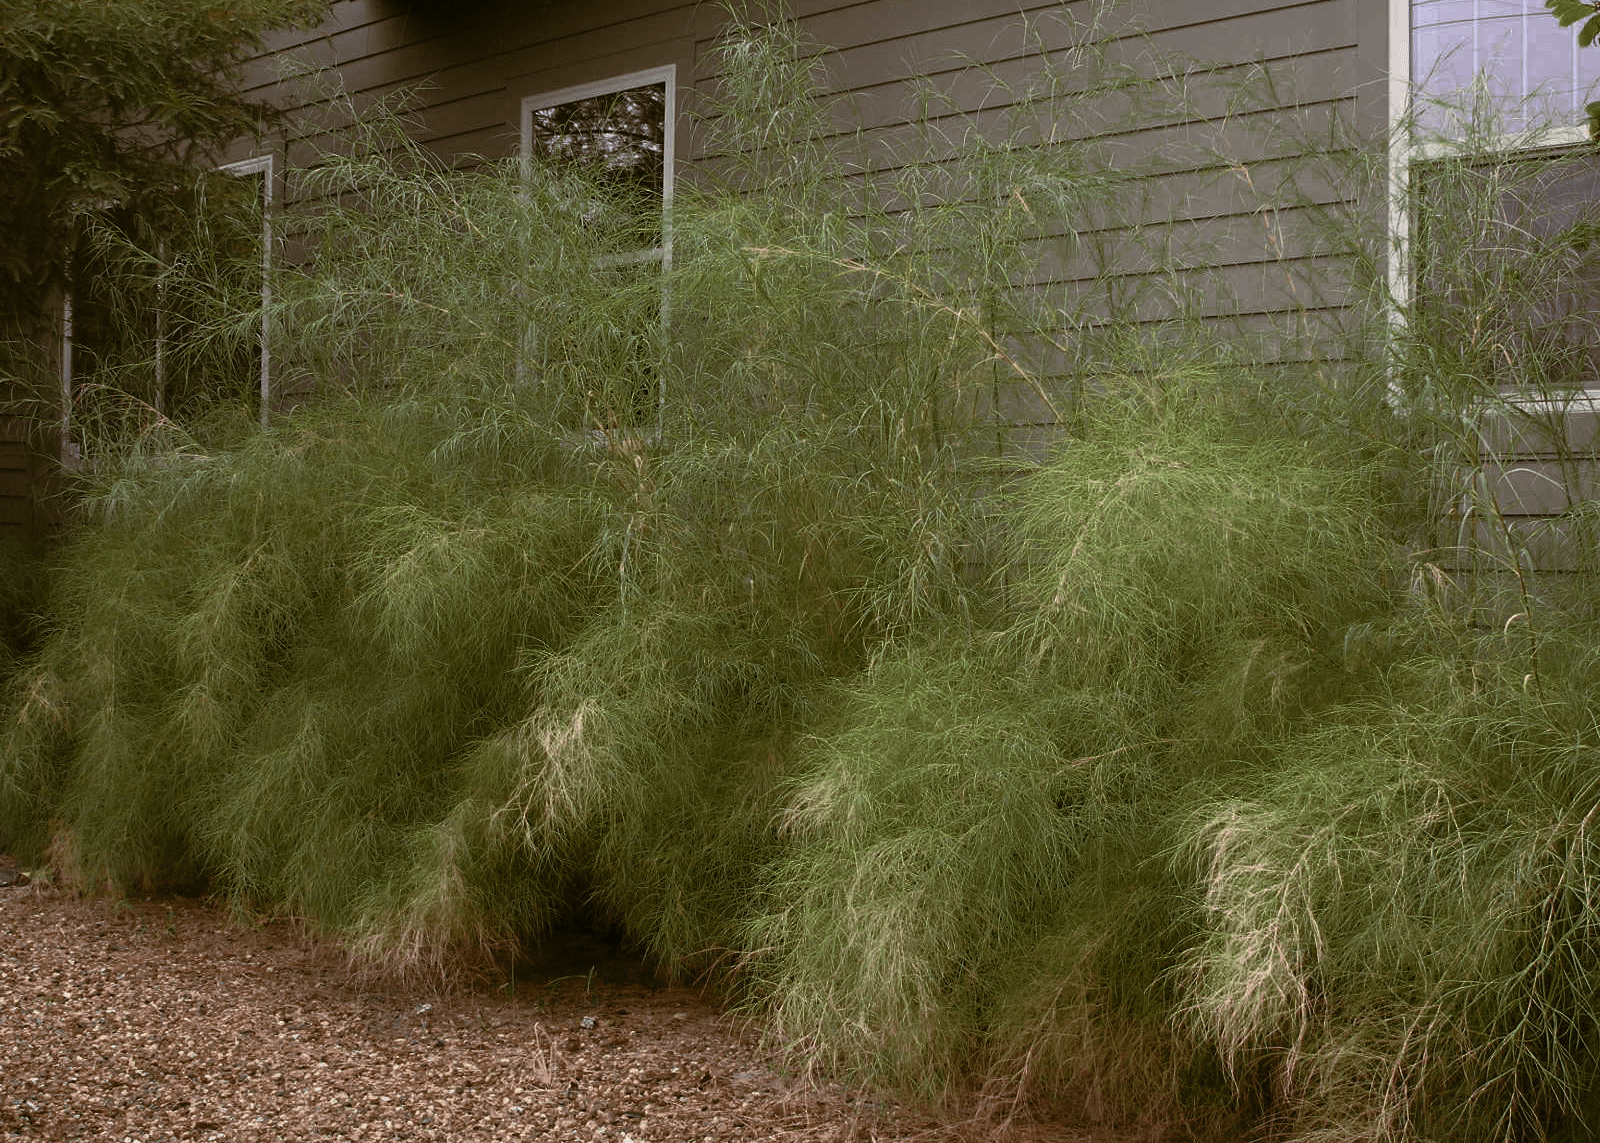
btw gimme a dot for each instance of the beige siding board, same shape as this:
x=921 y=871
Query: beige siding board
x=1279 y=32
x=18 y=472
x=883 y=25
x=441 y=122
x=501 y=54
x=1132 y=304
x=16 y=486
x=1548 y=544
x=483 y=123
x=1228 y=192
x=557 y=24
x=558 y=72
x=474 y=77
x=486 y=117
x=650 y=33
x=1186 y=244
x=1004 y=43
x=469 y=112
x=1537 y=465
x=1297 y=260
x=343 y=15
x=1219 y=179
x=900 y=14
x=1246 y=139
x=1231 y=93
x=1287 y=337
x=363 y=33
x=438 y=76
x=1277 y=190
x=497 y=141
x=1157 y=147
x=1010 y=51
x=886 y=21
x=1534 y=487
x=1562 y=430
x=1212 y=291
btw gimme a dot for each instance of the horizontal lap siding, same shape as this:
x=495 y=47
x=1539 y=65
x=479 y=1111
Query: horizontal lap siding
x=479 y=64
x=1218 y=208
x=1534 y=464
x=1217 y=183
x=470 y=71
x=16 y=483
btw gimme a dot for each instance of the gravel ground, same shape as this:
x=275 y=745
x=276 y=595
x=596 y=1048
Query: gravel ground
x=162 y=1019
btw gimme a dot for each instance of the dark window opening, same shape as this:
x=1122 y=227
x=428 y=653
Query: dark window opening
x=1506 y=273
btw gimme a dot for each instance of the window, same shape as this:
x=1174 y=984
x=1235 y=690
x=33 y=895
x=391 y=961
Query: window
x=1494 y=229
x=622 y=129
x=1496 y=77
x=257 y=175
x=1513 y=293
x=125 y=335
x=1529 y=67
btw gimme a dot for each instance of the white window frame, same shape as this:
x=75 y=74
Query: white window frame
x=71 y=453
x=1404 y=154
x=666 y=75
x=266 y=167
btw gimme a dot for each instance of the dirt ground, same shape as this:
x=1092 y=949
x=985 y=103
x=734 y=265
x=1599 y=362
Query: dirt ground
x=164 y=1019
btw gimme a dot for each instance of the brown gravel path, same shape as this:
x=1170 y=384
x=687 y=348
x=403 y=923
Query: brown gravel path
x=163 y=1020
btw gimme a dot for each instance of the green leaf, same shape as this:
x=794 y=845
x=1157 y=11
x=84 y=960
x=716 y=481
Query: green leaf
x=1568 y=12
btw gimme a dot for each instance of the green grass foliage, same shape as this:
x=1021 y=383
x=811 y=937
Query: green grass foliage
x=23 y=578
x=1181 y=773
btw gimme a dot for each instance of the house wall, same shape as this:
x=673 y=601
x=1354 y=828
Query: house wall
x=16 y=485
x=1214 y=151
x=1223 y=218
x=30 y=511
x=1512 y=506
x=30 y=514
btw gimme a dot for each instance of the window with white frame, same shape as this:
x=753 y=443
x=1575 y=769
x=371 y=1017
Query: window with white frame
x=1487 y=99
x=132 y=332
x=257 y=175
x=622 y=130
x=1495 y=260
x=1508 y=58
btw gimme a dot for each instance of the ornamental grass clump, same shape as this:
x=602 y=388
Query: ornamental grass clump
x=472 y=637
x=978 y=818
x=255 y=649
x=1398 y=921
x=1392 y=909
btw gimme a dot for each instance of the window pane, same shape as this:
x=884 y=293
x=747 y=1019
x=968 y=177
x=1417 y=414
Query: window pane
x=620 y=135
x=176 y=341
x=1531 y=67
x=1511 y=299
